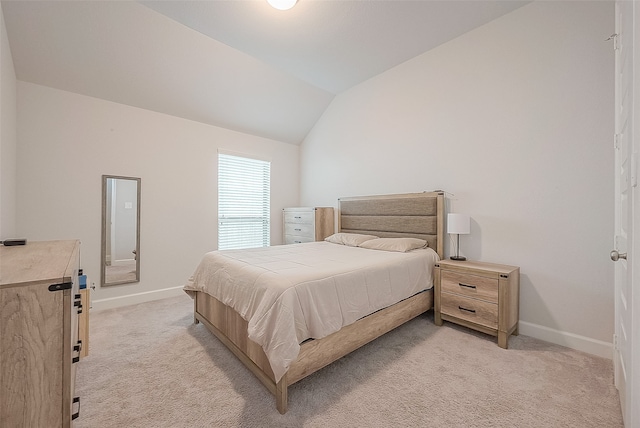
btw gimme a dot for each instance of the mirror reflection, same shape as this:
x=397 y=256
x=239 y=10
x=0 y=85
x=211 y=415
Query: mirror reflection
x=120 y=230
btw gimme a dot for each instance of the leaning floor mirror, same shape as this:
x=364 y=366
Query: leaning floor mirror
x=120 y=258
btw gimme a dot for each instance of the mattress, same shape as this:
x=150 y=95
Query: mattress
x=291 y=293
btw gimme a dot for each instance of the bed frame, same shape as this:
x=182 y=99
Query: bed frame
x=419 y=215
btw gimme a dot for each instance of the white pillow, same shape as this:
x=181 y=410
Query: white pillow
x=395 y=244
x=349 y=239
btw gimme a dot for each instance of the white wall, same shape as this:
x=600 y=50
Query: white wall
x=516 y=120
x=7 y=137
x=68 y=141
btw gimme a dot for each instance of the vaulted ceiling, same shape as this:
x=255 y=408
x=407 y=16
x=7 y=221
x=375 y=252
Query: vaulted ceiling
x=238 y=64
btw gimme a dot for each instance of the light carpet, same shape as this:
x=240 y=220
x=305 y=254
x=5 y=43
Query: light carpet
x=150 y=366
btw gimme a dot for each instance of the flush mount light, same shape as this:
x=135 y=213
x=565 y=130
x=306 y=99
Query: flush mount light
x=282 y=4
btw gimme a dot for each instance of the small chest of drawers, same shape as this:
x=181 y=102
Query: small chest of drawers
x=39 y=346
x=482 y=296
x=307 y=224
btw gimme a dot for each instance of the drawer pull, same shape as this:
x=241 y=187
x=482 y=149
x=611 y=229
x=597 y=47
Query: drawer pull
x=76 y=414
x=61 y=286
x=297 y=216
x=467 y=285
x=78 y=304
x=473 y=311
x=77 y=348
x=298 y=230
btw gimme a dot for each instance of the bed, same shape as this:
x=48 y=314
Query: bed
x=253 y=304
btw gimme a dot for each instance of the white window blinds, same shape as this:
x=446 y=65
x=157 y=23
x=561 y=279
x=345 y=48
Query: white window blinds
x=243 y=202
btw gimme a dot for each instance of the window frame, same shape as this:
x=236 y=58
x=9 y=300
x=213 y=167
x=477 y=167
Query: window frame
x=244 y=201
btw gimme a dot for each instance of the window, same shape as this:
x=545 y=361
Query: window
x=243 y=202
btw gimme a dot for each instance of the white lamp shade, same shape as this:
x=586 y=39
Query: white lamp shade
x=459 y=224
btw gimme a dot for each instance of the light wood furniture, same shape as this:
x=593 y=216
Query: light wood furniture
x=481 y=296
x=83 y=321
x=39 y=304
x=418 y=215
x=303 y=224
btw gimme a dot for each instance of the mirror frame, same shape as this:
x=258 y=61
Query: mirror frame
x=103 y=253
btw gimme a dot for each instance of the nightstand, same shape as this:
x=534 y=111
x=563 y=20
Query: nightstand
x=477 y=295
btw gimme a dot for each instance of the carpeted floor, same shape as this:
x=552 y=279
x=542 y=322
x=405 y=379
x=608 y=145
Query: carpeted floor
x=150 y=366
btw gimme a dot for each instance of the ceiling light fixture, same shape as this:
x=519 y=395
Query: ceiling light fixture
x=282 y=4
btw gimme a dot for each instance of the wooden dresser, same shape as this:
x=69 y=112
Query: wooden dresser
x=39 y=347
x=304 y=224
x=481 y=296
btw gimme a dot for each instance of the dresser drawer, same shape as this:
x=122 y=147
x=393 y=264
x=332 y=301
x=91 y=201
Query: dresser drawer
x=294 y=239
x=306 y=217
x=469 y=309
x=466 y=284
x=300 y=229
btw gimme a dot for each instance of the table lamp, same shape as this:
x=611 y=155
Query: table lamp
x=459 y=224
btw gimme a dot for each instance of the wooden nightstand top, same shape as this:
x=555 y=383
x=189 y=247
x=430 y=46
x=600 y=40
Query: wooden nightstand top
x=476 y=266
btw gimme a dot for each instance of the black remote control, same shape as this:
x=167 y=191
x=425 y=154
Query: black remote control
x=12 y=242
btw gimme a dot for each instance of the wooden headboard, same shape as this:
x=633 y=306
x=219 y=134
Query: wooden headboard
x=415 y=215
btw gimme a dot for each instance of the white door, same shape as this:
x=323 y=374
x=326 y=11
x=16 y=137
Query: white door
x=625 y=187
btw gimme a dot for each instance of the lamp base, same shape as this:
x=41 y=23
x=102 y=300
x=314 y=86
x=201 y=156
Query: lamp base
x=459 y=258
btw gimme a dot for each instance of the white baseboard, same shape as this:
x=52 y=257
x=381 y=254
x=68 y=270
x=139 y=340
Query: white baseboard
x=134 y=299
x=570 y=340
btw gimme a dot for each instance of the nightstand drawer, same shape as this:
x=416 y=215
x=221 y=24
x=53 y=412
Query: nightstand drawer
x=475 y=286
x=299 y=230
x=473 y=310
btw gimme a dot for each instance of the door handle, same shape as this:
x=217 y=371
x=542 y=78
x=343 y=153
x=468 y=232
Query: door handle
x=615 y=255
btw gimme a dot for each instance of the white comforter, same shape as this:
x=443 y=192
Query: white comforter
x=290 y=293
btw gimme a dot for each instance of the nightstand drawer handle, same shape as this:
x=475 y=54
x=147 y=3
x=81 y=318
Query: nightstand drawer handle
x=473 y=311
x=466 y=285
